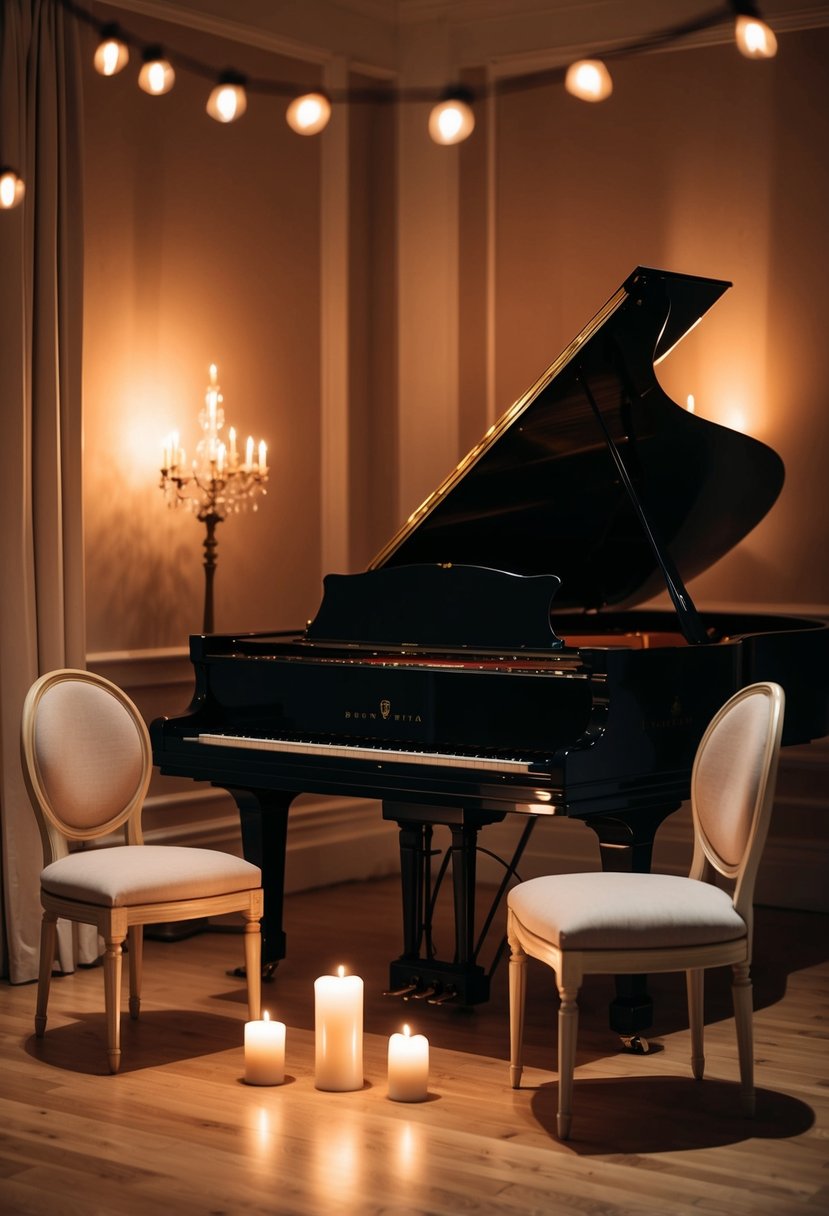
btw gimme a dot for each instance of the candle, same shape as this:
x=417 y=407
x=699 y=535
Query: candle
x=213 y=373
x=221 y=459
x=264 y=1052
x=338 y=1025
x=232 y=437
x=408 y=1067
x=249 y=452
x=263 y=456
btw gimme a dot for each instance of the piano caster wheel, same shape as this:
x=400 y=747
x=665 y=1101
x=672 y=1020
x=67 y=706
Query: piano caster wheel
x=635 y=1044
x=268 y=972
x=404 y=992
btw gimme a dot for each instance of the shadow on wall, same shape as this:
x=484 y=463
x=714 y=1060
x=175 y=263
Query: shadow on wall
x=144 y=582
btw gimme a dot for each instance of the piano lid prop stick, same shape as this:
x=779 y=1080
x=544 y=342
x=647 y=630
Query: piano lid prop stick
x=338 y=1030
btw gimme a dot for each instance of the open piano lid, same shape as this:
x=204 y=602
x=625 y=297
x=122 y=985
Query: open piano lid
x=595 y=475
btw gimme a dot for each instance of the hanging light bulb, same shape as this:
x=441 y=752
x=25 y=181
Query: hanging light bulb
x=111 y=54
x=308 y=114
x=156 y=75
x=12 y=188
x=754 y=38
x=451 y=120
x=589 y=80
x=228 y=101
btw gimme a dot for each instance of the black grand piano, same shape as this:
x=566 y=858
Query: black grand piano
x=491 y=661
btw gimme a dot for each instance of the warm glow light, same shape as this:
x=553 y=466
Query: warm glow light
x=309 y=114
x=754 y=38
x=12 y=189
x=589 y=80
x=690 y=404
x=111 y=54
x=228 y=101
x=451 y=121
x=156 y=75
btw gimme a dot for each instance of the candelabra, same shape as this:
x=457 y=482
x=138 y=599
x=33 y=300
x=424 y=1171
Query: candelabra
x=217 y=482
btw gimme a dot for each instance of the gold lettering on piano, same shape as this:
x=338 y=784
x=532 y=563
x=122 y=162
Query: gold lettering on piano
x=385 y=708
x=386 y=713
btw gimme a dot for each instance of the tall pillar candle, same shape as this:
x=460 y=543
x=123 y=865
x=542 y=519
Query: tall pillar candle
x=338 y=1026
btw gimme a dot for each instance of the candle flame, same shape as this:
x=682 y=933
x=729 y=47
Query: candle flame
x=406 y=1031
x=266 y=1017
x=341 y=971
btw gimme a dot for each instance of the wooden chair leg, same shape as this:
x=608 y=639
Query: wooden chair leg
x=695 y=981
x=741 y=994
x=568 y=1027
x=48 y=933
x=136 y=962
x=112 y=999
x=517 y=996
x=253 y=964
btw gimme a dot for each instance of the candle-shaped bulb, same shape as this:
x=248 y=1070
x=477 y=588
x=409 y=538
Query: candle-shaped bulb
x=249 y=452
x=232 y=437
x=213 y=373
x=263 y=456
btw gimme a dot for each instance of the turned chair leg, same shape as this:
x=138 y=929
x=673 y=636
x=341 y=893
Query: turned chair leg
x=741 y=994
x=112 y=1000
x=568 y=1027
x=517 y=995
x=696 y=1019
x=253 y=964
x=136 y=962
x=48 y=933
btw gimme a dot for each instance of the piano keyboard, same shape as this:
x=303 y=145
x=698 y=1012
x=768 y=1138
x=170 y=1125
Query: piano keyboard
x=379 y=755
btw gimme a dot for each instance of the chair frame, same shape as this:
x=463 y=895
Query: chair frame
x=117 y=924
x=570 y=966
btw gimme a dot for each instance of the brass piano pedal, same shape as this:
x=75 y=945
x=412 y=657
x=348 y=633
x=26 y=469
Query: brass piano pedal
x=443 y=998
x=268 y=972
x=404 y=992
x=422 y=994
x=635 y=1044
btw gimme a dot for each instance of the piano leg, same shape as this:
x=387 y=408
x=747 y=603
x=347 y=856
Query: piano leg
x=264 y=819
x=626 y=846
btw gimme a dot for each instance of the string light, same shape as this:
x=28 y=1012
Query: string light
x=12 y=188
x=156 y=76
x=228 y=101
x=589 y=80
x=112 y=54
x=754 y=38
x=451 y=120
x=308 y=114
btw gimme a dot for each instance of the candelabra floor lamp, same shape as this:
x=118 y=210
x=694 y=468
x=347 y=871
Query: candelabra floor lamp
x=216 y=484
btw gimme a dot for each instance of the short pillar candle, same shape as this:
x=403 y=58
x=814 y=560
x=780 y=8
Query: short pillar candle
x=338 y=1029
x=264 y=1052
x=408 y=1067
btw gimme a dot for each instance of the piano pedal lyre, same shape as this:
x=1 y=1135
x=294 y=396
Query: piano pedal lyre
x=443 y=998
x=404 y=992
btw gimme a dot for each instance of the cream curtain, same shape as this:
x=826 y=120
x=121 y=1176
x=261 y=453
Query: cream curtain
x=41 y=525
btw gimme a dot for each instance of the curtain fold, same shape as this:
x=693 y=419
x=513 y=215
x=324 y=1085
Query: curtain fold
x=42 y=619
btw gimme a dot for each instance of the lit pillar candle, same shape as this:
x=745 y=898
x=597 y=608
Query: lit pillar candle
x=408 y=1067
x=264 y=1052
x=338 y=1025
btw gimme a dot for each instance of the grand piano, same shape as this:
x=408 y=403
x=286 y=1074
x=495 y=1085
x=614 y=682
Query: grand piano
x=492 y=660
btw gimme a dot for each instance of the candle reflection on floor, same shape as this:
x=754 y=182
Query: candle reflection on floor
x=409 y=1150
x=337 y=1159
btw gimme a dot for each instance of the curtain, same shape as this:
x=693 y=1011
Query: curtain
x=41 y=523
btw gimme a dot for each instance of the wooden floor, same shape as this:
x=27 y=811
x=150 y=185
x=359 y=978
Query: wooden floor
x=178 y=1131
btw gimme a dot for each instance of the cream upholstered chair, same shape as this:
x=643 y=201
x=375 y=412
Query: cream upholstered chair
x=87 y=763
x=616 y=924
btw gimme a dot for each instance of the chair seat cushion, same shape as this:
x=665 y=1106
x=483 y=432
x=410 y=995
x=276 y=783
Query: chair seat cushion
x=605 y=911
x=147 y=874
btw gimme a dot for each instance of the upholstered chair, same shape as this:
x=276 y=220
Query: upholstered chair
x=87 y=763
x=632 y=924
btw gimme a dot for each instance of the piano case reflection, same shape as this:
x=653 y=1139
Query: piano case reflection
x=492 y=661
